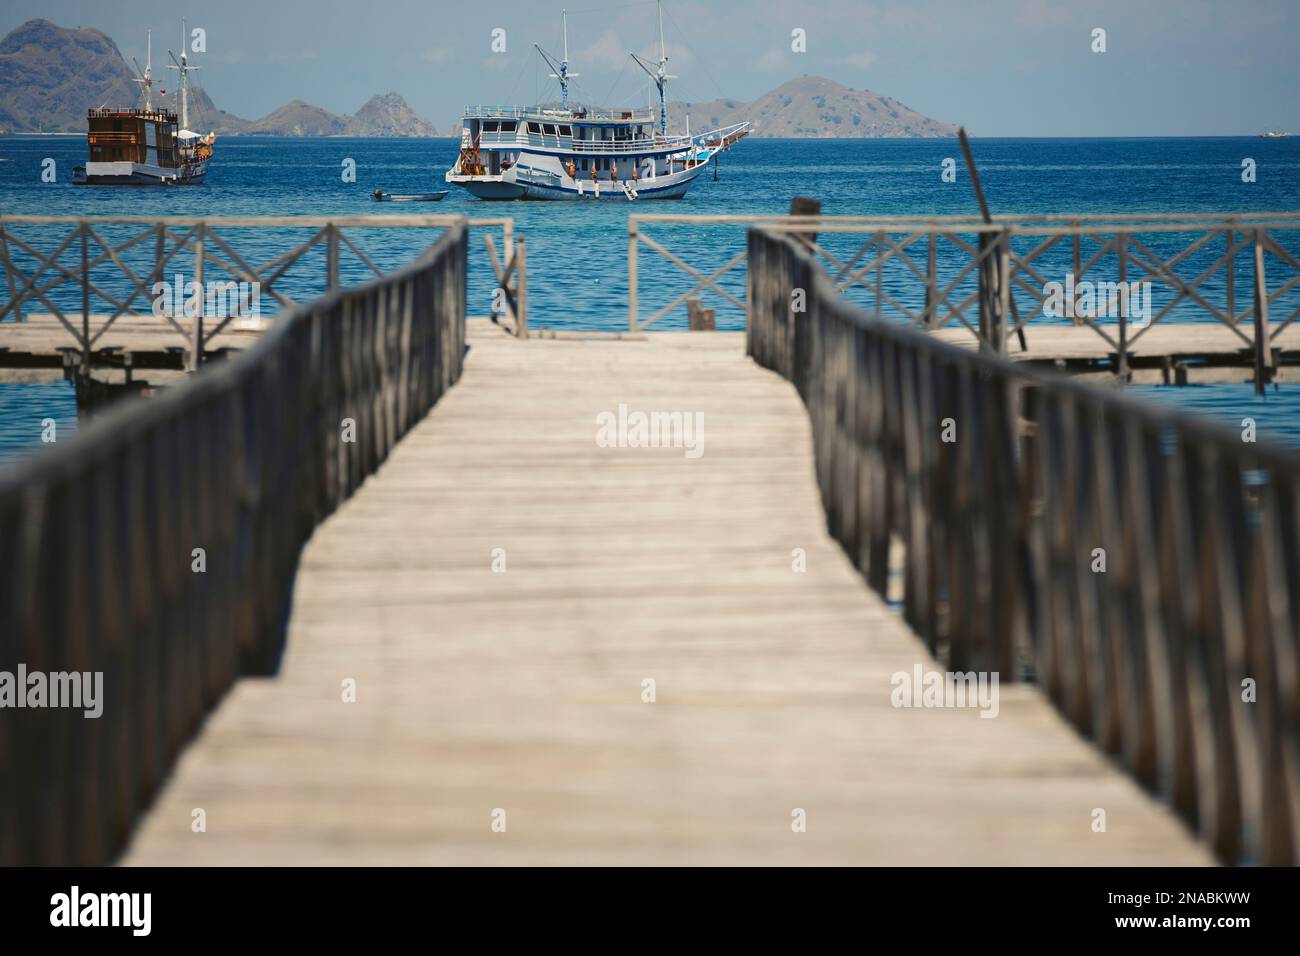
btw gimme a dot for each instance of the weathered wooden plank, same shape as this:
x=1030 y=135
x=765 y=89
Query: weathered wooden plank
x=522 y=690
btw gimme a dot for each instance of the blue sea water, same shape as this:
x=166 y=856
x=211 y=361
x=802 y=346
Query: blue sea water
x=577 y=252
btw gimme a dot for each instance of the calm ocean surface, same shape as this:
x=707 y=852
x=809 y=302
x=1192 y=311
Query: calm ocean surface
x=577 y=251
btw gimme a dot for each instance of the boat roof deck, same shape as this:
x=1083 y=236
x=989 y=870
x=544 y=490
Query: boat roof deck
x=544 y=114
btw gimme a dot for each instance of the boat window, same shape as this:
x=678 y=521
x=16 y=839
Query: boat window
x=566 y=130
x=548 y=129
x=534 y=127
x=507 y=126
x=490 y=126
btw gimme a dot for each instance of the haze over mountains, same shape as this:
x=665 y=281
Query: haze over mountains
x=50 y=76
x=813 y=106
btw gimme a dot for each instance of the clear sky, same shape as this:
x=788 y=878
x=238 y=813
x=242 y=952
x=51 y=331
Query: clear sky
x=1002 y=67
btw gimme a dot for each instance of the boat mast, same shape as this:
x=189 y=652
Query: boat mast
x=145 y=76
x=660 y=75
x=562 y=71
x=182 y=65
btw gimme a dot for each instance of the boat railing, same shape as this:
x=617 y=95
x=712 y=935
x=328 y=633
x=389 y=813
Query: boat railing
x=492 y=112
x=724 y=136
x=519 y=112
x=631 y=145
x=161 y=116
x=500 y=139
x=111 y=136
x=569 y=144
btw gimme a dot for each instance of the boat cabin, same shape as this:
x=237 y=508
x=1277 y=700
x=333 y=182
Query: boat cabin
x=493 y=140
x=134 y=136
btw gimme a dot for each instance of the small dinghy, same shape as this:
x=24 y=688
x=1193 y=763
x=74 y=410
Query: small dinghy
x=380 y=196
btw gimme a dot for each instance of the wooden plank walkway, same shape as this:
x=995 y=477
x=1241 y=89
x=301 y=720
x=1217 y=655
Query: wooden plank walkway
x=1211 y=351
x=523 y=690
x=32 y=350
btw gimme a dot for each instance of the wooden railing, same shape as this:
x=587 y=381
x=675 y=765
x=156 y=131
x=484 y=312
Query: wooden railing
x=158 y=547
x=1240 y=270
x=89 y=272
x=1141 y=565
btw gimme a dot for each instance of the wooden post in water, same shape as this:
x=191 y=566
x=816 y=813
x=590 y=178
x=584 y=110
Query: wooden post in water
x=1263 y=345
x=805 y=206
x=991 y=268
x=699 y=318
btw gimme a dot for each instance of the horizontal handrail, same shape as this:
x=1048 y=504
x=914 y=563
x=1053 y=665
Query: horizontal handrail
x=905 y=222
x=1143 y=564
x=121 y=273
x=158 y=547
x=937 y=272
x=281 y=222
x=515 y=112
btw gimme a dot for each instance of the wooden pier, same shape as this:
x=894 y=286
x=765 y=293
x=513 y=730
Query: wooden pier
x=523 y=689
x=1182 y=354
x=139 y=348
x=984 y=283
x=382 y=588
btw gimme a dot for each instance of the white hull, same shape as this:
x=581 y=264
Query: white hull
x=138 y=174
x=542 y=177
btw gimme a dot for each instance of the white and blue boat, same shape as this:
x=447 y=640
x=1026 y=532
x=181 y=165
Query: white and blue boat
x=574 y=153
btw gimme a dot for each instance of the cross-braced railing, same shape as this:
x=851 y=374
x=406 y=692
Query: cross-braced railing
x=1143 y=565
x=1117 y=275
x=237 y=464
x=119 y=265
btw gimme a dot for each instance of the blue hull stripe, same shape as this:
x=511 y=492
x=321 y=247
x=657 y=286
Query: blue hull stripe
x=615 y=193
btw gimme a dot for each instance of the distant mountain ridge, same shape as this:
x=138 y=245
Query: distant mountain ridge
x=813 y=106
x=50 y=76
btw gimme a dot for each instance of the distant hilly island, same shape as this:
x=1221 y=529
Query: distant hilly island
x=50 y=76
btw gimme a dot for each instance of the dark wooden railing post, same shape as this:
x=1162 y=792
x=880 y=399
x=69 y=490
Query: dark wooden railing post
x=1141 y=563
x=931 y=288
x=331 y=257
x=85 y=302
x=1263 y=346
x=1121 y=250
x=196 y=355
x=242 y=460
x=1230 y=273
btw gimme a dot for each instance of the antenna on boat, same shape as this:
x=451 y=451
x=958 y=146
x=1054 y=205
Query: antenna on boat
x=660 y=75
x=562 y=71
x=145 y=77
x=184 y=68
